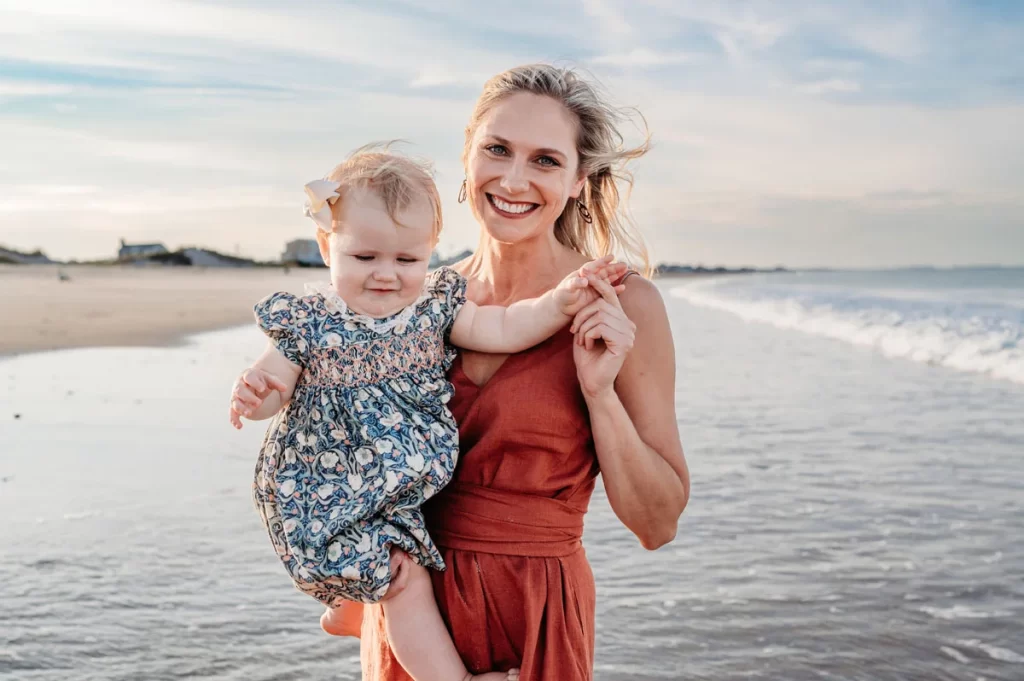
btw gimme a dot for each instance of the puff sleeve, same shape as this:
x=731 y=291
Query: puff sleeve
x=448 y=289
x=284 y=318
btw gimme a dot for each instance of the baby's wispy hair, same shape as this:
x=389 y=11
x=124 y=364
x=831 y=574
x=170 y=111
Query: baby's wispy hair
x=396 y=178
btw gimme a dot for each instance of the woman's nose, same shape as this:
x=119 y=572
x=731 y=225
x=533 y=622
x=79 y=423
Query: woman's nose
x=514 y=180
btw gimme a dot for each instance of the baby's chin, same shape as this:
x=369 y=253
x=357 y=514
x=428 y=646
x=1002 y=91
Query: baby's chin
x=380 y=306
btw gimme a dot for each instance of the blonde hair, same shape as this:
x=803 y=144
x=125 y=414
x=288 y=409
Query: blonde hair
x=602 y=159
x=395 y=178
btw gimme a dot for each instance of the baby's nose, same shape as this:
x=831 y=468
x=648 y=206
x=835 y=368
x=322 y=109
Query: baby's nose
x=385 y=273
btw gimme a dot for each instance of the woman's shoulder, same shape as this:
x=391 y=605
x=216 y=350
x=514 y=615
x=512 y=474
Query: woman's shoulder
x=642 y=299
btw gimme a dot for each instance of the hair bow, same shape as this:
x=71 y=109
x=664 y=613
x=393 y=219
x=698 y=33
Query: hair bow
x=321 y=194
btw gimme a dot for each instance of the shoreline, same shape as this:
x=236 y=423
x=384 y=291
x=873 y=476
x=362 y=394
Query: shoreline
x=131 y=306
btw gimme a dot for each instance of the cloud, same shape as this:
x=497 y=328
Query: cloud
x=107 y=201
x=610 y=19
x=644 y=57
x=176 y=41
x=829 y=65
x=439 y=75
x=161 y=153
x=830 y=85
x=12 y=88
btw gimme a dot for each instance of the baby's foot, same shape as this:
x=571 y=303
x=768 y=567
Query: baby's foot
x=344 y=620
x=510 y=675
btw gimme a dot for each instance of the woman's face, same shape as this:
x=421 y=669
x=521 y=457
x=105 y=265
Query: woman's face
x=522 y=167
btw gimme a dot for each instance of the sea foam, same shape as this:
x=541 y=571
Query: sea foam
x=924 y=327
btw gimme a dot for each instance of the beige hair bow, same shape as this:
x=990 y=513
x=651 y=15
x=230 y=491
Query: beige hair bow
x=321 y=194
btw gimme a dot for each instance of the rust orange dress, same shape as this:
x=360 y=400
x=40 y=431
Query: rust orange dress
x=518 y=591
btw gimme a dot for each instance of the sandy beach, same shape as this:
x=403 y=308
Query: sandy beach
x=102 y=306
x=129 y=306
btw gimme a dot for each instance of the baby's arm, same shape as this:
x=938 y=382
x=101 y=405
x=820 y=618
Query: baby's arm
x=492 y=328
x=264 y=388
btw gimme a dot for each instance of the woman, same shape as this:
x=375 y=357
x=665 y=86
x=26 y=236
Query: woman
x=542 y=158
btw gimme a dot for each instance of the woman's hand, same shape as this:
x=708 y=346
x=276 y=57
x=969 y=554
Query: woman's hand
x=598 y=363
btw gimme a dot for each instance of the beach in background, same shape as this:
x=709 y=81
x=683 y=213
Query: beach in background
x=58 y=306
x=855 y=441
x=46 y=307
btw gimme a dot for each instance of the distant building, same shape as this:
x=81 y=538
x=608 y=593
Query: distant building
x=304 y=252
x=9 y=255
x=437 y=261
x=204 y=257
x=132 y=251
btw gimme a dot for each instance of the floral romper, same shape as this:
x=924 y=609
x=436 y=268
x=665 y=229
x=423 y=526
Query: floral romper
x=366 y=438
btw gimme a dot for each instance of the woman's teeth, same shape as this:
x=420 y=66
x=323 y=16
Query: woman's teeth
x=511 y=207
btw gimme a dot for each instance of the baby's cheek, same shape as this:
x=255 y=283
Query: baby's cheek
x=417 y=279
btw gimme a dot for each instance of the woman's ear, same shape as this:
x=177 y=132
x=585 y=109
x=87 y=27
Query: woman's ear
x=577 y=188
x=323 y=240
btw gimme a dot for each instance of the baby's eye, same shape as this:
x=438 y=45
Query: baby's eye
x=363 y=258
x=406 y=261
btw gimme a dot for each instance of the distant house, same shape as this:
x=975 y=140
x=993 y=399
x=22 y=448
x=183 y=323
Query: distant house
x=437 y=261
x=9 y=255
x=305 y=252
x=132 y=251
x=204 y=257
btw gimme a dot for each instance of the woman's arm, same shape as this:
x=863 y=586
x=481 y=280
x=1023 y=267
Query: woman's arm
x=263 y=388
x=628 y=382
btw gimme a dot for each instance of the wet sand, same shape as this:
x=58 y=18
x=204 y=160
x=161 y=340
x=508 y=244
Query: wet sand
x=129 y=306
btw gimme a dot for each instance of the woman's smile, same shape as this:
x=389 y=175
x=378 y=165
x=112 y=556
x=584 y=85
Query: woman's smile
x=510 y=209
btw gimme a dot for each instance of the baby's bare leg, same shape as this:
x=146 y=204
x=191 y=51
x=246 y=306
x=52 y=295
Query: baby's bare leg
x=418 y=636
x=344 y=620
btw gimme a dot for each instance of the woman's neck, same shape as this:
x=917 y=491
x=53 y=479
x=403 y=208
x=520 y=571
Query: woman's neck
x=506 y=273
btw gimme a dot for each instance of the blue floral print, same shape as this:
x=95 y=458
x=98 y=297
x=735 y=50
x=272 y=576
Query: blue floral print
x=365 y=440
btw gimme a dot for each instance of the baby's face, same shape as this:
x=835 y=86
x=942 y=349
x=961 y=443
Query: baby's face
x=377 y=266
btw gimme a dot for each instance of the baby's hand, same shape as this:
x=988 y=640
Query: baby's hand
x=251 y=388
x=575 y=292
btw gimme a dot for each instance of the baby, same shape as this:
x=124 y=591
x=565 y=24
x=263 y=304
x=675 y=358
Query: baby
x=355 y=378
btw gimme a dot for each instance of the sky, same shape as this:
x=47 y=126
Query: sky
x=848 y=133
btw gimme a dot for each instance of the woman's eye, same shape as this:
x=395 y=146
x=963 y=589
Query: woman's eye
x=363 y=258
x=497 y=149
x=547 y=161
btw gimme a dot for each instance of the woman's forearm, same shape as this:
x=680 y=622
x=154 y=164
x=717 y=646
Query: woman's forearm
x=647 y=494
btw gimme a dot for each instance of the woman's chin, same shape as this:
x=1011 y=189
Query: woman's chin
x=510 y=232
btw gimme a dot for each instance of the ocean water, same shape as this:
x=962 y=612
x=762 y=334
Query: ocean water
x=970 y=319
x=855 y=514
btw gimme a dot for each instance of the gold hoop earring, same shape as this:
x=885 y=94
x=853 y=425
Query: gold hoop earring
x=584 y=212
x=462 y=192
